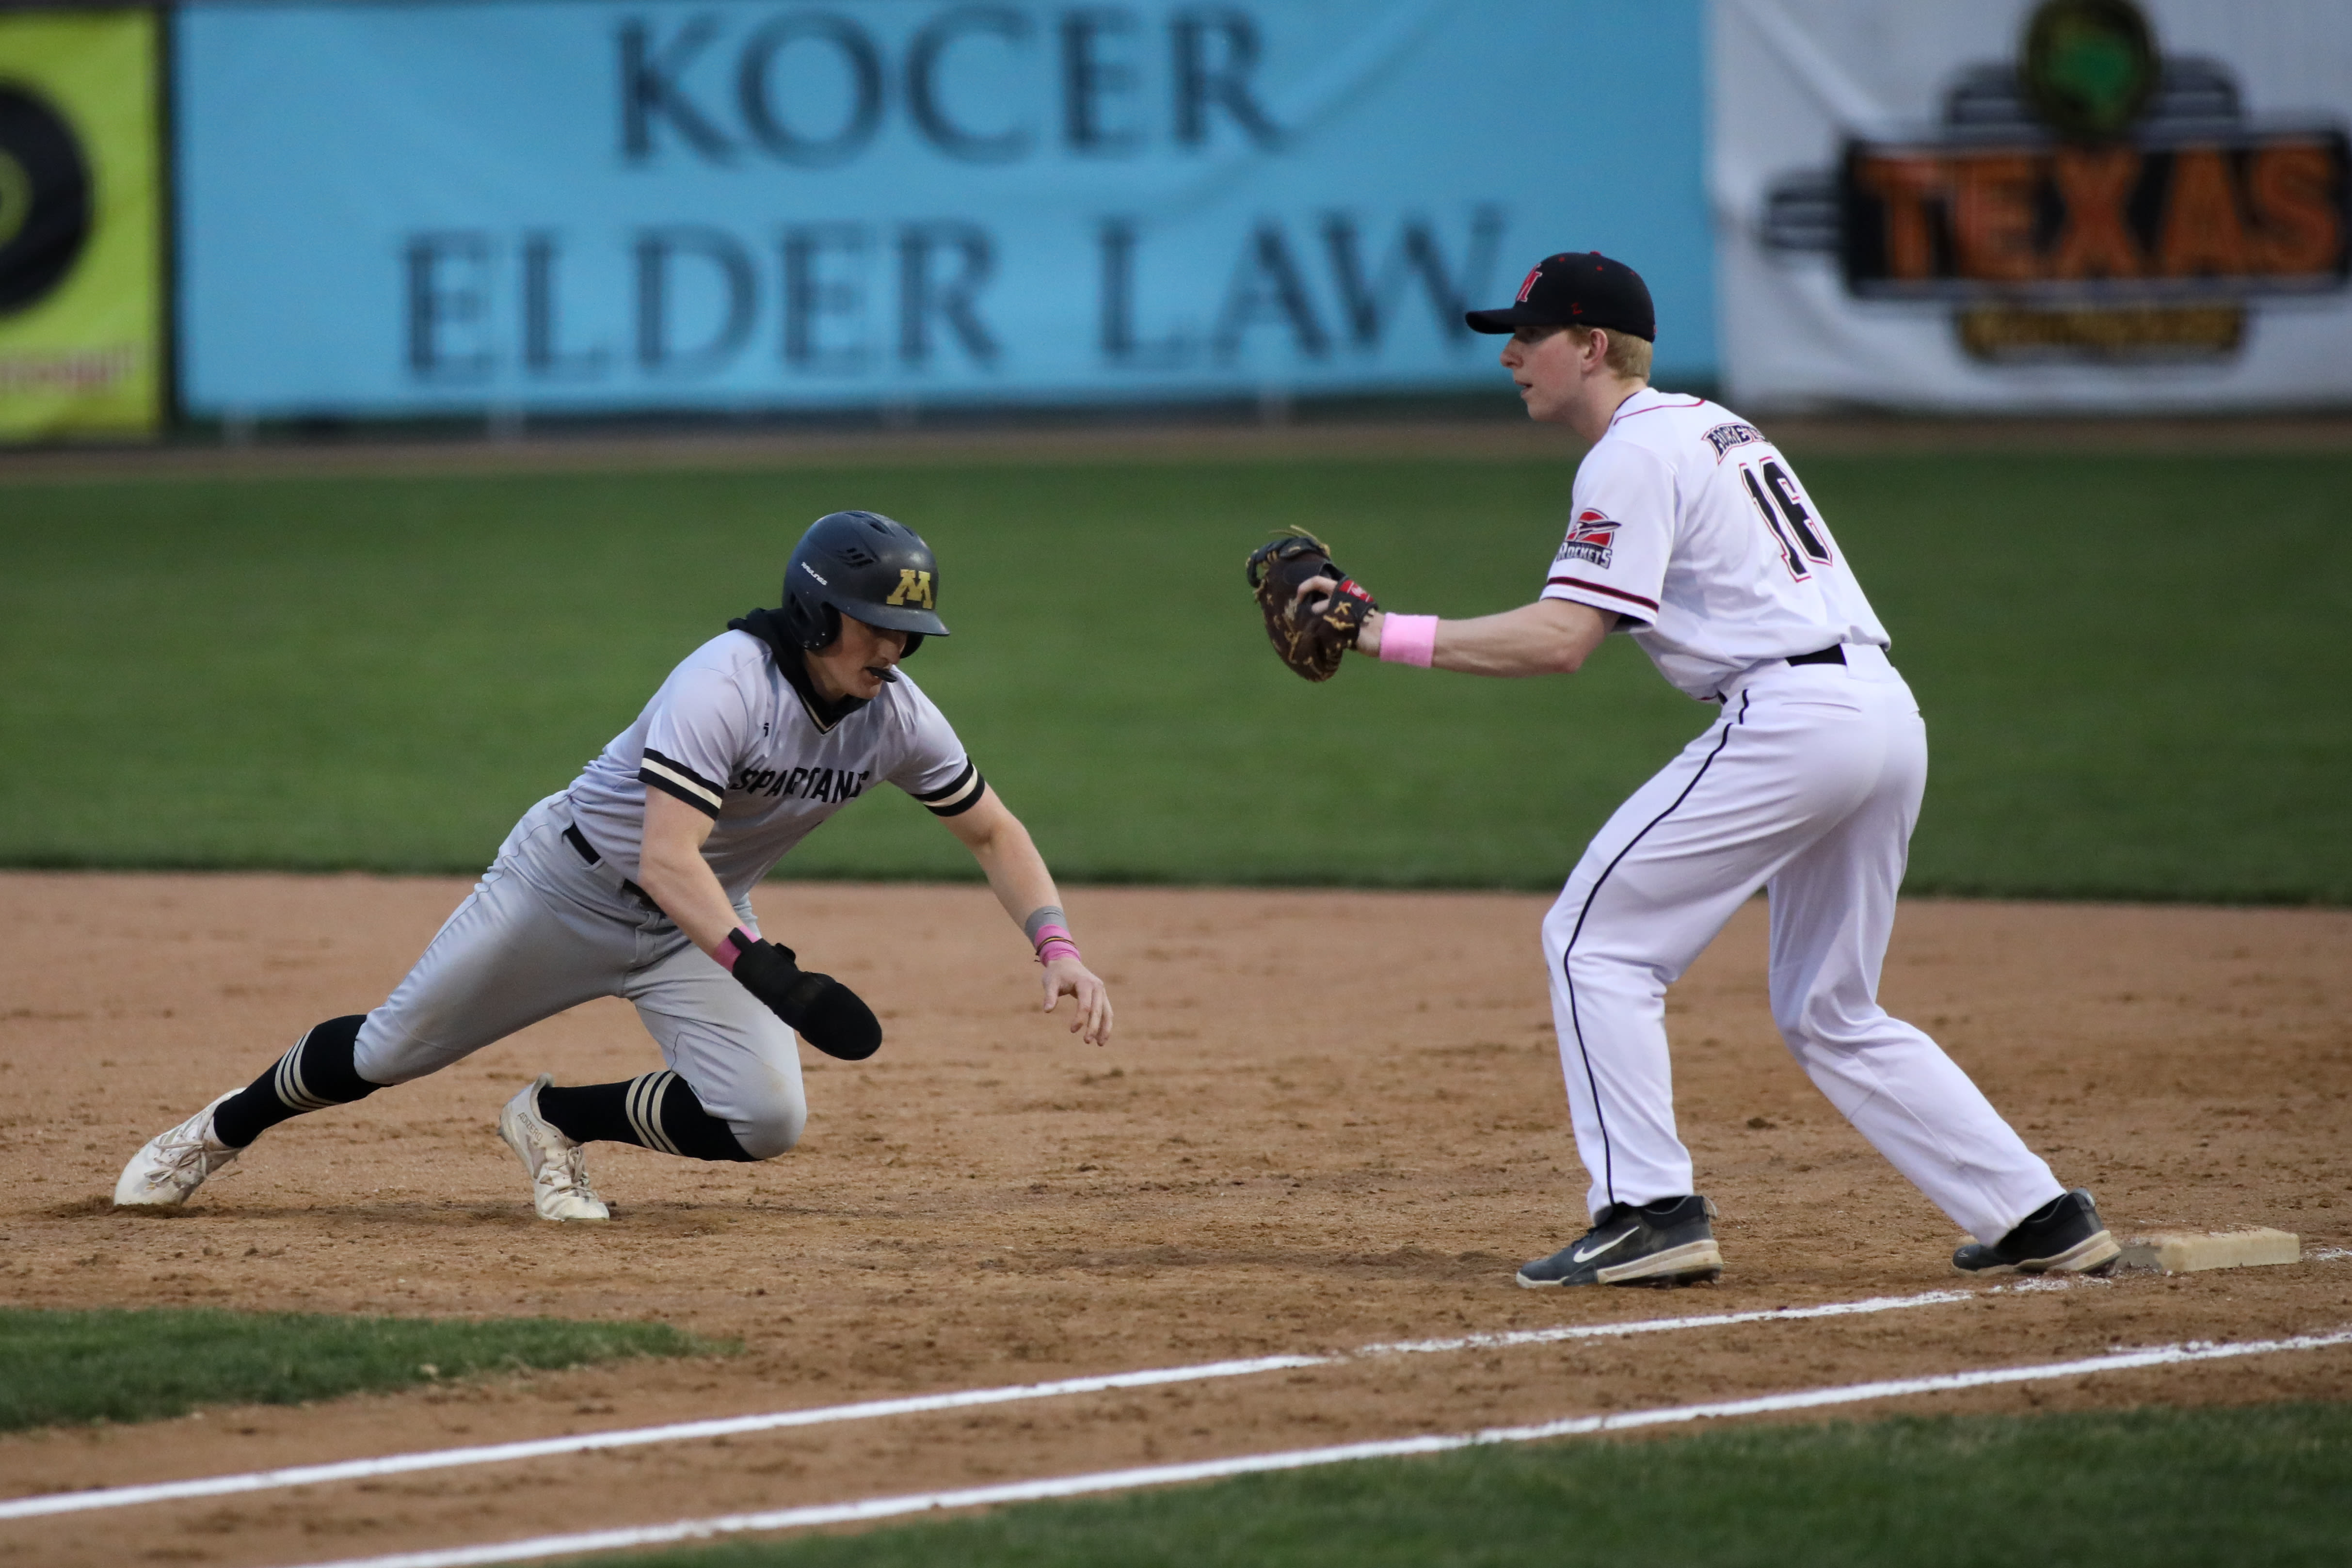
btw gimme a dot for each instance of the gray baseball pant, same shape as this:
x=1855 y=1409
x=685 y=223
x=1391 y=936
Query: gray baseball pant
x=543 y=931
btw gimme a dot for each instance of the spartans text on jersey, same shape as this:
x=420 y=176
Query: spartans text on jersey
x=800 y=784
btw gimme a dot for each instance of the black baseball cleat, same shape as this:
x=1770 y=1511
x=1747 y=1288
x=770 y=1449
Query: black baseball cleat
x=1668 y=1242
x=2063 y=1235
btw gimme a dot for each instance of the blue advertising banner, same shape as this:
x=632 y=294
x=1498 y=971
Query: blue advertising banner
x=556 y=205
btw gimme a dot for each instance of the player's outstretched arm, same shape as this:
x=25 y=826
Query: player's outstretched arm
x=1017 y=876
x=1550 y=637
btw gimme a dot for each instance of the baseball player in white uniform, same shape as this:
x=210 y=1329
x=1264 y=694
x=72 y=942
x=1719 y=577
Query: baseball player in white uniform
x=1692 y=534
x=637 y=882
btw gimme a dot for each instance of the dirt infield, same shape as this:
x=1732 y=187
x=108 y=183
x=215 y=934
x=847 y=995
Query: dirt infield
x=1328 y=1120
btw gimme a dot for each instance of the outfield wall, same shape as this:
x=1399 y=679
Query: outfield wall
x=2065 y=204
x=568 y=206
x=388 y=209
x=83 y=349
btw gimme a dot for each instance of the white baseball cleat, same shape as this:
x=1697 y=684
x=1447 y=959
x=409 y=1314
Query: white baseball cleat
x=174 y=1164
x=558 y=1166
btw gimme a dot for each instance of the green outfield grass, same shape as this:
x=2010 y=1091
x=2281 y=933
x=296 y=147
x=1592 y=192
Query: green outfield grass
x=2133 y=666
x=66 y=1367
x=2266 y=1487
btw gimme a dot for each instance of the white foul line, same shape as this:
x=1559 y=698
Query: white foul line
x=1301 y=1458
x=913 y=1404
x=1661 y=1325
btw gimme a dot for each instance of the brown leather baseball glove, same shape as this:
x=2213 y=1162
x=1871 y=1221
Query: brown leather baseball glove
x=1310 y=635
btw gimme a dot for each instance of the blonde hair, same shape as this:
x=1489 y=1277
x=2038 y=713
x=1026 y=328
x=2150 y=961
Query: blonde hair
x=1629 y=356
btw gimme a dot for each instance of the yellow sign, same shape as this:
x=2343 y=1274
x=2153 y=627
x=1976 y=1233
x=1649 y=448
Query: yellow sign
x=914 y=588
x=81 y=297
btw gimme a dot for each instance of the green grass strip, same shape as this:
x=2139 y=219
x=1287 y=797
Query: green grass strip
x=2131 y=667
x=2261 y=1487
x=60 y=1368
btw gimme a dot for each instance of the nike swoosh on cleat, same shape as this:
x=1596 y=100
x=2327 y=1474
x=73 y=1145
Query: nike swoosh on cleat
x=1580 y=1256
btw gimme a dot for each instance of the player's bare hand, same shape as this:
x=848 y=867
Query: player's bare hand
x=1315 y=593
x=1314 y=596
x=1090 y=998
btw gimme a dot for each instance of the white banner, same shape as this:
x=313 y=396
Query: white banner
x=2022 y=204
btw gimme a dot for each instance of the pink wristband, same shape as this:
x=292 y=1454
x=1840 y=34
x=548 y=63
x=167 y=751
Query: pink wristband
x=1409 y=639
x=737 y=943
x=1054 y=942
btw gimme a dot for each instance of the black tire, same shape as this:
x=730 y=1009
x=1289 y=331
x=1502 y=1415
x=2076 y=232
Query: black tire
x=44 y=198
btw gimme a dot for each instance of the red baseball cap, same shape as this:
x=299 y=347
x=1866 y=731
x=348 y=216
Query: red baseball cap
x=1576 y=288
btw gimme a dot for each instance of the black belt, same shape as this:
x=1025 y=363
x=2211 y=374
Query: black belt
x=1833 y=654
x=579 y=841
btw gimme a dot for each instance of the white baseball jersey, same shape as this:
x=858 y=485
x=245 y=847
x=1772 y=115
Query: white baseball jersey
x=1692 y=527
x=730 y=736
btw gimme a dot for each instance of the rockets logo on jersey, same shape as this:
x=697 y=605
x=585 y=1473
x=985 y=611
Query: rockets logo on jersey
x=1591 y=539
x=1723 y=437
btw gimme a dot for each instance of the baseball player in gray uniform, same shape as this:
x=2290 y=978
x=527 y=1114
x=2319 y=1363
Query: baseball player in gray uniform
x=1691 y=533
x=637 y=882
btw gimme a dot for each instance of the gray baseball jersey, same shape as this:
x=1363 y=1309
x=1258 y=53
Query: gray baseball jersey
x=730 y=737
x=558 y=920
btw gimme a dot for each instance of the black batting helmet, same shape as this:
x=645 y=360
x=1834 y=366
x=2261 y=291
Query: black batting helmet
x=863 y=564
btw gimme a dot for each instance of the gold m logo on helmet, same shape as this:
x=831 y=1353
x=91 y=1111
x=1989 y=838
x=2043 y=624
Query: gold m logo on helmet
x=914 y=588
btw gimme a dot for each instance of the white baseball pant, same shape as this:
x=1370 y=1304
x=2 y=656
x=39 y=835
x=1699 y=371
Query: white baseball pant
x=1808 y=786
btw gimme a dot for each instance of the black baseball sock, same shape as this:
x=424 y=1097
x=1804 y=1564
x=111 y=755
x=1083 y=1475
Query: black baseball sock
x=316 y=1073
x=656 y=1111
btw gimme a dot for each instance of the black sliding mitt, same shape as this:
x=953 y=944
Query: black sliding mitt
x=826 y=1013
